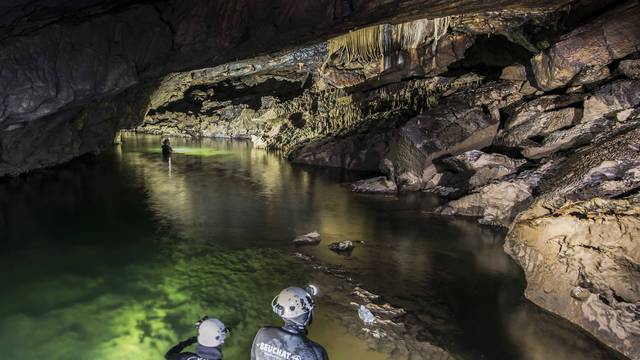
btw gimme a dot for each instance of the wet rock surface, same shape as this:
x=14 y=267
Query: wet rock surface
x=312 y=238
x=377 y=185
x=581 y=262
x=342 y=246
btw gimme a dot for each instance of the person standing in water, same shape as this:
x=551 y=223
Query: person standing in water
x=211 y=336
x=295 y=306
x=166 y=148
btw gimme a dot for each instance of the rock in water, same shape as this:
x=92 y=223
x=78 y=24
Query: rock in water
x=582 y=263
x=366 y=315
x=341 y=246
x=258 y=142
x=312 y=238
x=377 y=185
x=494 y=204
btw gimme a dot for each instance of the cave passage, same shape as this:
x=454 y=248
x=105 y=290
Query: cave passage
x=126 y=254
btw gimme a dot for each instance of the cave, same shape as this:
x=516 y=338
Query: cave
x=314 y=179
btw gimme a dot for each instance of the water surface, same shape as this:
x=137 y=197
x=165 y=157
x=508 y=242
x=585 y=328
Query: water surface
x=116 y=257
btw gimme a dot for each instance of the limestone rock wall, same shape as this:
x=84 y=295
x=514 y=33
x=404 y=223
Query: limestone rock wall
x=59 y=56
x=581 y=262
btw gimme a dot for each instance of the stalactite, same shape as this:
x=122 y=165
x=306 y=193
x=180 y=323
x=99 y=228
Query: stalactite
x=375 y=42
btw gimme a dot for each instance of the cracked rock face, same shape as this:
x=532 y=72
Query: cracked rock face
x=614 y=35
x=582 y=263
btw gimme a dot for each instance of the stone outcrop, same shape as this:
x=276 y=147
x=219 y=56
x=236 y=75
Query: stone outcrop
x=567 y=139
x=376 y=185
x=614 y=35
x=498 y=203
x=312 y=238
x=582 y=263
x=606 y=168
x=451 y=128
x=612 y=98
x=483 y=168
x=630 y=68
x=540 y=125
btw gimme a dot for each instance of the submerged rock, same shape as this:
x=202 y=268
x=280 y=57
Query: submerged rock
x=376 y=185
x=581 y=262
x=312 y=238
x=341 y=246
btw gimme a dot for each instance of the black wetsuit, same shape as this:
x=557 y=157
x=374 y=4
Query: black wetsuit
x=285 y=343
x=166 y=150
x=202 y=352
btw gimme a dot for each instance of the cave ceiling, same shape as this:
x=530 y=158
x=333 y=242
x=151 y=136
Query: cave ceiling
x=56 y=55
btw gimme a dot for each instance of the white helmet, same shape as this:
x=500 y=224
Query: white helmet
x=293 y=302
x=211 y=332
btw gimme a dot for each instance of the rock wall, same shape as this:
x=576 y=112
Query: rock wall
x=59 y=56
x=581 y=262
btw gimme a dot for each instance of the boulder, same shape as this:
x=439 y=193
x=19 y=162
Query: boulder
x=377 y=185
x=576 y=136
x=494 y=204
x=312 y=238
x=581 y=263
x=606 y=167
x=630 y=68
x=498 y=203
x=479 y=168
x=613 y=35
x=258 y=142
x=590 y=75
x=531 y=110
x=612 y=98
x=341 y=246
x=539 y=126
x=448 y=129
x=515 y=72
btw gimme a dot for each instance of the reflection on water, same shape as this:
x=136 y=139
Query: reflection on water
x=115 y=258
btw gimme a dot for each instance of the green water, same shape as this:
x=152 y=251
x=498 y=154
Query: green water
x=116 y=257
